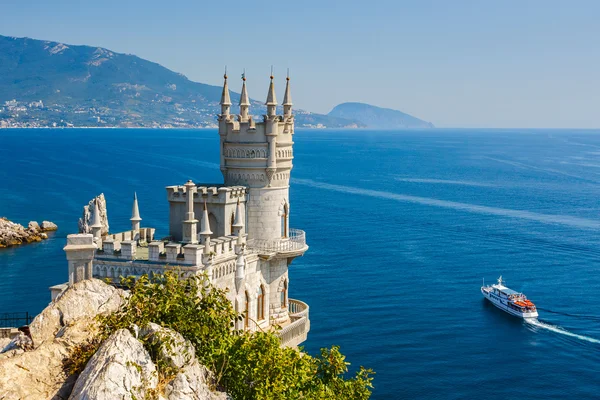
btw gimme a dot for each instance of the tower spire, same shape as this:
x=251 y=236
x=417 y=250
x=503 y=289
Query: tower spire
x=287 y=97
x=135 y=214
x=96 y=224
x=271 y=100
x=244 y=101
x=205 y=231
x=225 y=99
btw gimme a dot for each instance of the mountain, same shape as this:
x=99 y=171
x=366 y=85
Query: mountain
x=377 y=117
x=53 y=84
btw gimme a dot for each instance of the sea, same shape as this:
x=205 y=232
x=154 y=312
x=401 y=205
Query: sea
x=403 y=227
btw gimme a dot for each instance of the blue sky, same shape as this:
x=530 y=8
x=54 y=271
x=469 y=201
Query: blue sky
x=455 y=63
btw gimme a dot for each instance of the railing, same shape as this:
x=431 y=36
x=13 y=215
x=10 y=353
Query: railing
x=295 y=241
x=15 y=319
x=297 y=331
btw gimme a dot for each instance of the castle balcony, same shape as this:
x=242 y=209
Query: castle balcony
x=296 y=332
x=292 y=246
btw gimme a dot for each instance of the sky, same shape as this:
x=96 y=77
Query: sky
x=456 y=63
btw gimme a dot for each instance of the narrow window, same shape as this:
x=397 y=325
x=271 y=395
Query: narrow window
x=284 y=295
x=231 y=223
x=260 y=304
x=284 y=220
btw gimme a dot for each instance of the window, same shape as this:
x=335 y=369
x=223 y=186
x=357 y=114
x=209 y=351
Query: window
x=231 y=230
x=260 y=304
x=247 y=311
x=284 y=221
x=284 y=295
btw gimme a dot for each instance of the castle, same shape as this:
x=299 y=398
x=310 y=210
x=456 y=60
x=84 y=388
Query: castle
x=244 y=243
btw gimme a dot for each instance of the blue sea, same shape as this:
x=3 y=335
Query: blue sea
x=402 y=227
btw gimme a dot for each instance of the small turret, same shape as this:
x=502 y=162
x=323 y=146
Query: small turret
x=225 y=99
x=205 y=231
x=190 y=222
x=244 y=100
x=287 y=99
x=135 y=215
x=271 y=100
x=96 y=225
x=238 y=223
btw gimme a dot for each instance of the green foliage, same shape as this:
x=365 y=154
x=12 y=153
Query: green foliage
x=245 y=365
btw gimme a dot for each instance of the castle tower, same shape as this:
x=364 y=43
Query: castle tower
x=224 y=118
x=135 y=218
x=259 y=156
x=190 y=223
x=80 y=251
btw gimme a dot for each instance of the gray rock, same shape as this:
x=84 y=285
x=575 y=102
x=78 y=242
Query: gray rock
x=193 y=379
x=85 y=222
x=33 y=226
x=48 y=226
x=120 y=369
x=69 y=321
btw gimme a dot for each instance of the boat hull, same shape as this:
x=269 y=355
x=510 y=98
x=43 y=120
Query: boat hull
x=501 y=304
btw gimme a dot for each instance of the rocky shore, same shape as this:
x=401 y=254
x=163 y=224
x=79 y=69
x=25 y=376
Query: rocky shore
x=12 y=234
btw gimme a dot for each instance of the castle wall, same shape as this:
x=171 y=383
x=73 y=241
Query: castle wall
x=265 y=212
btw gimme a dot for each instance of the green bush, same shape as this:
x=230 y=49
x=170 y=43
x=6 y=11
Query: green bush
x=245 y=365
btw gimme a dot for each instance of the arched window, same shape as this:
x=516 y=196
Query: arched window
x=247 y=311
x=231 y=223
x=284 y=220
x=260 y=304
x=284 y=295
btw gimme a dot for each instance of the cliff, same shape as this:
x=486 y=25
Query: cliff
x=377 y=117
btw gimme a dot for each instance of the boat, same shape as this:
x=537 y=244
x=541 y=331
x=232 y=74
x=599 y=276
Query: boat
x=508 y=300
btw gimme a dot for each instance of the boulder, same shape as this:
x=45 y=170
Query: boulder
x=193 y=379
x=48 y=226
x=67 y=322
x=85 y=222
x=120 y=369
x=33 y=226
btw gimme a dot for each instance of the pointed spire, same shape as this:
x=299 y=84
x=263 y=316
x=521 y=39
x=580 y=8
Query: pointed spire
x=238 y=222
x=244 y=101
x=135 y=211
x=287 y=97
x=271 y=100
x=225 y=99
x=205 y=224
x=96 y=217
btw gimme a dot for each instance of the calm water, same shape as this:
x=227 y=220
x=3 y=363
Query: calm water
x=402 y=227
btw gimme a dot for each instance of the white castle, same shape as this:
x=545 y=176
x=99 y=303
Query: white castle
x=245 y=243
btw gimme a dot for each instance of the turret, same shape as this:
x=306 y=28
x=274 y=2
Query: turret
x=190 y=223
x=271 y=100
x=287 y=99
x=244 y=101
x=135 y=216
x=96 y=225
x=225 y=100
x=238 y=223
x=205 y=231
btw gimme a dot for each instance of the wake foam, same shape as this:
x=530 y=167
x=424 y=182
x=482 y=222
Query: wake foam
x=576 y=222
x=559 y=330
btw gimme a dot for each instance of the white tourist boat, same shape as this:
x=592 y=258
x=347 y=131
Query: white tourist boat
x=506 y=299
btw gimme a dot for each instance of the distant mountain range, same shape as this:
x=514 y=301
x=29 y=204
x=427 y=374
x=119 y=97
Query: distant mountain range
x=377 y=117
x=46 y=83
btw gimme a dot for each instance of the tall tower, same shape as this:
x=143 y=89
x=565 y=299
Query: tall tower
x=259 y=156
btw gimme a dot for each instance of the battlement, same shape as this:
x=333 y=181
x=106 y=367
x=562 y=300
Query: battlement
x=213 y=194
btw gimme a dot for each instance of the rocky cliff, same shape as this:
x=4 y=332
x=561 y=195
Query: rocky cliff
x=85 y=222
x=34 y=366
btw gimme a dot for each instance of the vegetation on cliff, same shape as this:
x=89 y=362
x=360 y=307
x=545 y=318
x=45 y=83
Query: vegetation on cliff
x=243 y=364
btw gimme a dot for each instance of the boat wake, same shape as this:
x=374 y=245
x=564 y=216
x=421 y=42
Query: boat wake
x=582 y=316
x=556 y=329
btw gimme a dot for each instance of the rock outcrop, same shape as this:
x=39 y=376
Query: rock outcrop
x=12 y=234
x=32 y=364
x=85 y=222
x=67 y=322
x=120 y=369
